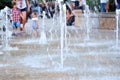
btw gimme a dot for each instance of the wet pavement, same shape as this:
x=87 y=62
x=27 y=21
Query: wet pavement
x=93 y=59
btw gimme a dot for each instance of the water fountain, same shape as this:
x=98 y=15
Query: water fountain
x=6 y=33
x=117 y=29
x=86 y=14
x=43 y=39
x=62 y=32
x=51 y=62
x=55 y=22
x=53 y=25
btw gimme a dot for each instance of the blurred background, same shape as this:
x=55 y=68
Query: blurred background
x=91 y=3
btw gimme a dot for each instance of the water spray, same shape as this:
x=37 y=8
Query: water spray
x=43 y=39
x=117 y=27
x=86 y=14
x=62 y=32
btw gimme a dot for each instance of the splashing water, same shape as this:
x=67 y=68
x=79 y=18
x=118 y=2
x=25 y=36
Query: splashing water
x=43 y=39
x=6 y=34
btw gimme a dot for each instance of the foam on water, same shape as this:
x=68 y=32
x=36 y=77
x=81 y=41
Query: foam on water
x=117 y=48
x=29 y=41
x=0 y=46
x=8 y=48
x=3 y=65
x=1 y=53
x=43 y=39
x=35 y=61
x=100 y=68
x=93 y=44
x=61 y=69
x=97 y=78
x=41 y=61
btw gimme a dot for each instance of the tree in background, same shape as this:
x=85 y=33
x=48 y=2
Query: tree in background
x=96 y=3
x=4 y=3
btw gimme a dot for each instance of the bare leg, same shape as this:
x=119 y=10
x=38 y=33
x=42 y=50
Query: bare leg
x=34 y=34
x=18 y=29
x=23 y=19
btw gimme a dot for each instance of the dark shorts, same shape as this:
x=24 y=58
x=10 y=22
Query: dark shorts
x=24 y=9
x=118 y=6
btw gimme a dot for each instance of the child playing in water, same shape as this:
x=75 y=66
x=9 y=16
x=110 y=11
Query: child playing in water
x=15 y=18
x=34 y=24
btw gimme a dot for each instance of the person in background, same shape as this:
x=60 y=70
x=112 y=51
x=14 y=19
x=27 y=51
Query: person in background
x=82 y=4
x=45 y=7
x=76 y=5
x=15 y=17
x=34 y=24
x=68 y=13
x=24 y=7
x=117 y=3
x=52 y=9
x=104 y=5
x=47 y=10
x=35 y=7
x=70 y=18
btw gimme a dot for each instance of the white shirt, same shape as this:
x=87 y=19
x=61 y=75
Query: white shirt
x=83 y=2
x=103 y=1
x=35 y=18
x=24 y=5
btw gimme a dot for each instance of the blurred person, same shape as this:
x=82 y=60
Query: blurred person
x=24 y=7
x=70 y=18
x=52 y=9
x=79 y=6
x=15 y=17
x=34 y=24
x=76 y=5
x=117 y=3
x=45 y=8
x=36 y=7
x=82 y=4
x=104 y=5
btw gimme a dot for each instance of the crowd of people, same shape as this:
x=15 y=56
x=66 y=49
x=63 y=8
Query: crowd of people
x=105 y=5
x=76 y=7
x=79 y=6
x=22 y=9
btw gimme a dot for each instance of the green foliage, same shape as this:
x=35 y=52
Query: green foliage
x=96 y=3
x=93 y=3
x=4 y=3
x=40 y=0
